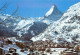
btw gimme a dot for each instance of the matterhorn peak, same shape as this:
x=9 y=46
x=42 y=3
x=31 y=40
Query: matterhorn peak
x=54 y=6
x=51 y=10
x=53 y=13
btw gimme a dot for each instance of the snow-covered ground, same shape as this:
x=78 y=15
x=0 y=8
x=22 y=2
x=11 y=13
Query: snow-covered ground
x=6 y=48
x=56 y=51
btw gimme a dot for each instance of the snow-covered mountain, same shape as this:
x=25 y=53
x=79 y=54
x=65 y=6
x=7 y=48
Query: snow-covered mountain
x=27 y=27
x=17 y=26
x=7 y=23
x=65 y=29
x=53 y=14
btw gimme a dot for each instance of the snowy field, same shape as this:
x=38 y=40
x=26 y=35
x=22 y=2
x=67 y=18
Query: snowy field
x=6 y=47
x=56 y=51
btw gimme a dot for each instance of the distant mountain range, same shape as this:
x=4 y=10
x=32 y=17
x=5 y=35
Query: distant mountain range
x=11 y=26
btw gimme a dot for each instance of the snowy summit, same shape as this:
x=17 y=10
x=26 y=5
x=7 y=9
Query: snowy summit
x=53 y=14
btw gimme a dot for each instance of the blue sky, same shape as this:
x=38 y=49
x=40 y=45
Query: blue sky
x=37 y=8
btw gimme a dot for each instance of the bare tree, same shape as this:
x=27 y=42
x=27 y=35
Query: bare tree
x=3 y=8
x=15 y=11
x=3 y=20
